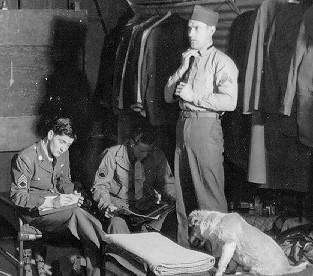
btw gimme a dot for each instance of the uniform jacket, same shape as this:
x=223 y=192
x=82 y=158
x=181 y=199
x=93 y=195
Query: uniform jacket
x=114 y=177
x=164 y=46
x=120 y=62
x=300 y=81
x=34 y=177
x=252 y=98
x=281 y=45
x=130 y=83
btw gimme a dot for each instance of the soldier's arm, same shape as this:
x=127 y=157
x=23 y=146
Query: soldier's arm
x=65 y=184
x=102 y=181
x=20 y=194
x=170 y=88
x=224 y=97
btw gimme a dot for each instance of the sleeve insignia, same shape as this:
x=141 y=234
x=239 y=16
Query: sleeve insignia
x=22 y=182
x=103 y=172
x=226 y=78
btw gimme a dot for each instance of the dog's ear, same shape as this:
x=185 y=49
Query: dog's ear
x=194 y=218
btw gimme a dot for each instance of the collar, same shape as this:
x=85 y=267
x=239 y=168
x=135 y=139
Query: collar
x=42 y=157
x=205 y=50
x=43 y=160
x=45 y=151
x=41 y=153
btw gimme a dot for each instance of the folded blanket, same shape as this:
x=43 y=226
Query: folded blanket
x=163 y=256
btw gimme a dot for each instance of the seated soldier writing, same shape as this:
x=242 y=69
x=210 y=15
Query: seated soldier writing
x=41 y=180
x=133 y=174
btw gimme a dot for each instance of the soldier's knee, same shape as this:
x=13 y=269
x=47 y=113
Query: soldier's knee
x=118 y=225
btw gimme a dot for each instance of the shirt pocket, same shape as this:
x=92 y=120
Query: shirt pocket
x=41 y=181
x=203 y=84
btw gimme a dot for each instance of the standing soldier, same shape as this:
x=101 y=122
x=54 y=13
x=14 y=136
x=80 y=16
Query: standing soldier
x=205 y=85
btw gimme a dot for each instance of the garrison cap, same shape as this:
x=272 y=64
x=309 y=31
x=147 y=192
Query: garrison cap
x=204 y=15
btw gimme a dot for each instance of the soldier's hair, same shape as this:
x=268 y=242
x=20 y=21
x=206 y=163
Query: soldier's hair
x=144 y=134
x=62 y=126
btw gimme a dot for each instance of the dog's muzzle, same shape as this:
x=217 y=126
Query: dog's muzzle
x=195 y=238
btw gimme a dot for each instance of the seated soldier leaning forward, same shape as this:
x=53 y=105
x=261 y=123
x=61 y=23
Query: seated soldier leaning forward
x=132 y=174
x=41 y=180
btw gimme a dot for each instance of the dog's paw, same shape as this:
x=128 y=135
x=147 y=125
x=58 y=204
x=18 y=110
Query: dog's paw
x=219 y=272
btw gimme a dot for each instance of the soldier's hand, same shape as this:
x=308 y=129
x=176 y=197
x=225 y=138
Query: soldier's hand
x=80 y=200
x=110 y=211
x=184 y=91
x=157 y=196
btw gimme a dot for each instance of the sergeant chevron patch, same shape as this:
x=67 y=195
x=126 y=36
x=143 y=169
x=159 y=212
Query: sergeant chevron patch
x=22 y=182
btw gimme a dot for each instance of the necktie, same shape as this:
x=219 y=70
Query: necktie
x=185 y=76
x=139 y=179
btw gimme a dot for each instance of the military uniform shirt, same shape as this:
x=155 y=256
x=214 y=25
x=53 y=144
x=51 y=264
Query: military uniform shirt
x=114 y=179
x=213 y=78
x=34 y=177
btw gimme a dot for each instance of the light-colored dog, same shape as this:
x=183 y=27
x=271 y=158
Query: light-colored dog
x=240 y=241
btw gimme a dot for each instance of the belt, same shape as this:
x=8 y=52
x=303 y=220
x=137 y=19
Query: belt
x=199 y=114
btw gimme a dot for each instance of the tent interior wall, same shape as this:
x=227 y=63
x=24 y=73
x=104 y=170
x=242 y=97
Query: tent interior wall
x=102 y=19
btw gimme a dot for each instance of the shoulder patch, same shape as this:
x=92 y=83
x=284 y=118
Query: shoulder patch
x=103 y=172
x=22 y=182
x=226 y=78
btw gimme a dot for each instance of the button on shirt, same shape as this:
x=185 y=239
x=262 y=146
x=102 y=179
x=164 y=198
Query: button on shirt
x=213 y=78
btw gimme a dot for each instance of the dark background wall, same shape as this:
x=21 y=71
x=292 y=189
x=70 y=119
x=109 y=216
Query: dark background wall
x=101 y=18
x=32 y=23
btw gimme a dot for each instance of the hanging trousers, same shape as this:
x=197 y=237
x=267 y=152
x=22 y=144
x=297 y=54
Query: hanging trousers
x=199 y=171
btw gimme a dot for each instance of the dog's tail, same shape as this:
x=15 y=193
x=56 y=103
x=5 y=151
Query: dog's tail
x=297 y=268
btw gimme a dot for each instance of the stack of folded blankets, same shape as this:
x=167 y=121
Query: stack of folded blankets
x=160 y=254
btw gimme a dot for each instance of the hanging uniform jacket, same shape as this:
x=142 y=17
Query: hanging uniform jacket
x=130 y=83
x=104 y=86
x=300 y=81
x=139 y=105
x=164 y=46
x=280 y=47
x=120 y=61
x=236 y=127
x=252 y=98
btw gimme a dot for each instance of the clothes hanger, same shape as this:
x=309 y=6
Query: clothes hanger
x=232 y=4
x=234 y=7
x=294 y=1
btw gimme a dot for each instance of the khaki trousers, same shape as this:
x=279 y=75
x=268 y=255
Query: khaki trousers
x=199 y=171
